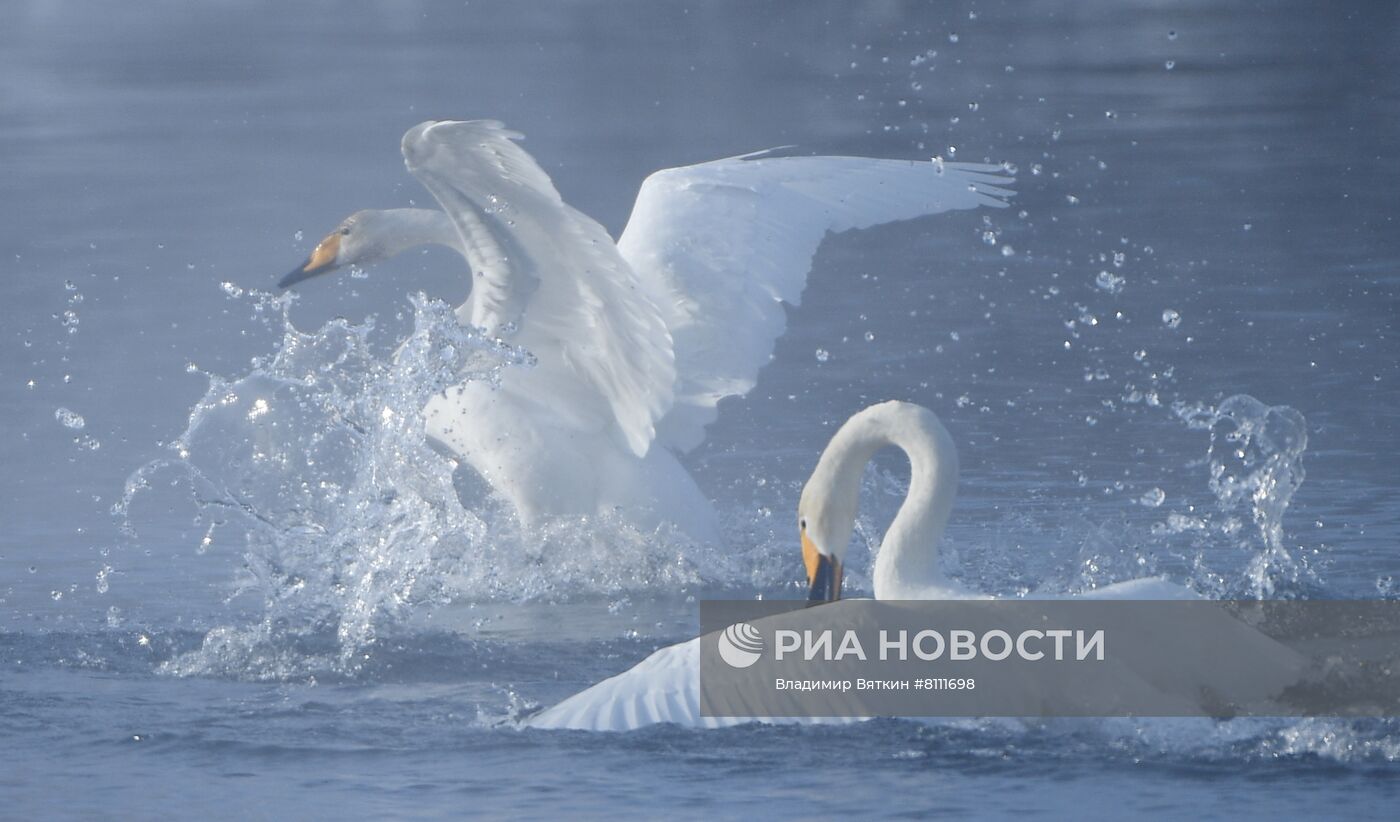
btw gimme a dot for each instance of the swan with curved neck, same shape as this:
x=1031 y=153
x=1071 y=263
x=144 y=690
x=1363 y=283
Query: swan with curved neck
x=635 y=341
x=906 y=566
x=664 y=687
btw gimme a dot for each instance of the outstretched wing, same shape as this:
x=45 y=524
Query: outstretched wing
x=549 y=269
x=665 y=688
x=721 y=244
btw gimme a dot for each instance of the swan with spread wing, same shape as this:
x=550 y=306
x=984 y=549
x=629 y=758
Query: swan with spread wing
x=636 y=341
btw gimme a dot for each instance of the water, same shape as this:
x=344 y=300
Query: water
x=1205 y=211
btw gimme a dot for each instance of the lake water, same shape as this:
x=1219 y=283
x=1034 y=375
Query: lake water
x=1206 y=208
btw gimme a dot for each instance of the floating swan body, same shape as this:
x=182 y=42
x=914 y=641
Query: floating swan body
x=665 y=686
x=635 y=341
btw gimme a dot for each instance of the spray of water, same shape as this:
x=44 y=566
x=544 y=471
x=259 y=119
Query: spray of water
x=315 y=468
x=1255 y=465
x=317 y=462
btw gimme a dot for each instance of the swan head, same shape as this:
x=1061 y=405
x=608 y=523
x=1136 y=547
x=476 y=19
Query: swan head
x=358 y=240
x=825 y=519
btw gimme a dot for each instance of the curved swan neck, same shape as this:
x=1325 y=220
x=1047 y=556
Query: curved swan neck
x=399 y=229
x=908 y=560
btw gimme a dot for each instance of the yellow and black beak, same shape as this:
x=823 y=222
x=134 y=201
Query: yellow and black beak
x=823 y=573
x=321 y=261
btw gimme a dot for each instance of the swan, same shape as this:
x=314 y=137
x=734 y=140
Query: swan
x=665 y=686
x=635 y=341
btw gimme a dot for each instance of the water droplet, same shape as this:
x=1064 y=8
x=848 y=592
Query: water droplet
x=1170 y=64
x=870 y=336
x=69 y=419
x=1008 y=251
x=230 y=289
x=1110 y=282
x=1153 y=498
x=823 y=355
x=953 y=38
x=1171 y=318
x=1171 y=35
x=298 y=236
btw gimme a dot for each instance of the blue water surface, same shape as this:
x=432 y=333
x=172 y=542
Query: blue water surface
x=1206 y=208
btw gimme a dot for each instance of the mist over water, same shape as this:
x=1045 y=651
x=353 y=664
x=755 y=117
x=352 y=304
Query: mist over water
x=231 y=559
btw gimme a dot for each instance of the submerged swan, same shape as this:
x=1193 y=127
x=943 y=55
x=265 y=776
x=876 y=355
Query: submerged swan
x=637 y=341
x=665 y=686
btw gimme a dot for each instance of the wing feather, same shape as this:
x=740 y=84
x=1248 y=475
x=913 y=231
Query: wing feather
x=722 y=244
x=550 y=270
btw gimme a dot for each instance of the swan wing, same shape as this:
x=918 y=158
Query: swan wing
x=722 y=244
x=1198 y=660
x=548 y=269
x=663 y=688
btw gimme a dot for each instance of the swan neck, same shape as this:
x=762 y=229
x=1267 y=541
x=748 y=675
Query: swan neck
x=403 y=229
x=907 y=566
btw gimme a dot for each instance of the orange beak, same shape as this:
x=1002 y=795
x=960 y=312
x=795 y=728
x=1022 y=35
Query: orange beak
x=321 y=261
x=823 y=573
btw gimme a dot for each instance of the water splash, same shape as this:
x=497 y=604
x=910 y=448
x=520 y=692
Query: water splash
x=1255 y=462
x=315 y=465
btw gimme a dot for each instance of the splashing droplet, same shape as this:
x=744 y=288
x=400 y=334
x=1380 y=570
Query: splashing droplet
x=70 y=419
x=1110 y=282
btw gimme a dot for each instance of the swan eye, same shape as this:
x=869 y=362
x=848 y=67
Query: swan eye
x=802 y=523
x=345 y=231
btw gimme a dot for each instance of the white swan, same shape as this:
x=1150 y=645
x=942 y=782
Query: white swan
x=636 y=341
x=665 y=686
